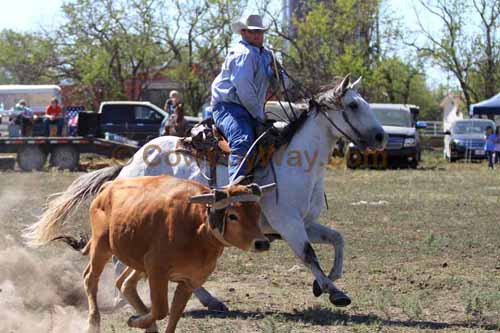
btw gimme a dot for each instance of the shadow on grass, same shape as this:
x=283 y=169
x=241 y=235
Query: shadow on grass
x=315 y=316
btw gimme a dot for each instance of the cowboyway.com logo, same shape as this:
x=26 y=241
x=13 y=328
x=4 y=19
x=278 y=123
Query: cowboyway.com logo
x=307 y=160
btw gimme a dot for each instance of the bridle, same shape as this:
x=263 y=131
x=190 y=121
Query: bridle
x=315 y=105
x=342 y=111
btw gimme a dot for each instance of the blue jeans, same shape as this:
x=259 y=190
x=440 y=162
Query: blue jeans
x=238 y=127
x=58 y=121
x=491 y=158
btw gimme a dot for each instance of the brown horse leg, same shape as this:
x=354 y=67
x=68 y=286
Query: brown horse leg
x=181 y=297
x=99 y=256
x=158 y=288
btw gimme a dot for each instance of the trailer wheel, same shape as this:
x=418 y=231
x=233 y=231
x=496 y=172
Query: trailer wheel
x=31 y=158
x=65 y=157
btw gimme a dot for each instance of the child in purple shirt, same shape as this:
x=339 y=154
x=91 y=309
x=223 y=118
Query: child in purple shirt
x=489 y=146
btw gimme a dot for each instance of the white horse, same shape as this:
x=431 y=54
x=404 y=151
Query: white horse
x=299 y=171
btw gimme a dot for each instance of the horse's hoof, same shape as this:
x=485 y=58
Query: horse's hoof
x=339 y=299
x=317 y=289
x=131 y=322
x=217 y=306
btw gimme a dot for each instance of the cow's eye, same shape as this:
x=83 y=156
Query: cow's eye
x=353 y=105
x=233 y=217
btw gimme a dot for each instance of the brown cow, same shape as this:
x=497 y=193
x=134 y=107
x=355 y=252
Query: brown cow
x=159 y=227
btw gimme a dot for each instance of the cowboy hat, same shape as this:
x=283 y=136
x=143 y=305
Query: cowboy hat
x=253 y=22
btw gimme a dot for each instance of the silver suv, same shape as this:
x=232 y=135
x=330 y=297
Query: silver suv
x=466 y=139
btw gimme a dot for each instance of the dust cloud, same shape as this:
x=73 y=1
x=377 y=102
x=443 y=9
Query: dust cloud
x=41 y=290
x=39 y=294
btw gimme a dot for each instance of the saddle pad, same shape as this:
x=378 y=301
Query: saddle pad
x=211 y=154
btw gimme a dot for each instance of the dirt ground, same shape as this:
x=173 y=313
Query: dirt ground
x=422 y=254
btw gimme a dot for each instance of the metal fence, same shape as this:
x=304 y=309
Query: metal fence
x=434 y=128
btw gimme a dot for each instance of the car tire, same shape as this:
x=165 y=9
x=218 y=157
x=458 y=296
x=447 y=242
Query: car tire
x=413 y=164
x=353 y=158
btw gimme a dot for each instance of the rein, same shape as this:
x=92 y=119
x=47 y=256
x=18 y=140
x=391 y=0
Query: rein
x=314 y=103
x=344 y=116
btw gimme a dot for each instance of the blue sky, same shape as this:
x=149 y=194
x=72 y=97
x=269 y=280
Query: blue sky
x=31 y=15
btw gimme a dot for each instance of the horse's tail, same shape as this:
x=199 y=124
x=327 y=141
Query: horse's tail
x=50 y=222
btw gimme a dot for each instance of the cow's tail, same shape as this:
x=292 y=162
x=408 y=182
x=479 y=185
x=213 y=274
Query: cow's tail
x=82 y=244
x=49 y=224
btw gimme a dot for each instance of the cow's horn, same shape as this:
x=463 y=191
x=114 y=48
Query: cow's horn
x=268 y=188
x=245 y=198
x=207 y=198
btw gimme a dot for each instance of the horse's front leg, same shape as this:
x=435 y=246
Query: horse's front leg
x=294 y=233
x=321 y=234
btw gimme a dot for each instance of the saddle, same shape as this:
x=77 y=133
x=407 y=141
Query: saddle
x=207 y=143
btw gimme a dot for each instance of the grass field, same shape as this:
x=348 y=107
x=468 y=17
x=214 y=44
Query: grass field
x=422 y=254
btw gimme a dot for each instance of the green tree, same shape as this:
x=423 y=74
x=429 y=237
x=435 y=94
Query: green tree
x=467 y=44
x=26 y=58
x=110 y=48
x=206 y=36
x=334 y=38
x=351 y=36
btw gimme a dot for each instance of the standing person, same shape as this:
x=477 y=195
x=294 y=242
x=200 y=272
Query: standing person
x=53 y=115
x=239 y=92
x=174 y=98
x=173 y=102
x=176 y=124
x=497 y=145
x=489 y=146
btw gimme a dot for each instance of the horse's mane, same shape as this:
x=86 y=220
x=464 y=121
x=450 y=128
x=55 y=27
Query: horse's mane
x=330 y=86
x=326 y=92
x=293 y=127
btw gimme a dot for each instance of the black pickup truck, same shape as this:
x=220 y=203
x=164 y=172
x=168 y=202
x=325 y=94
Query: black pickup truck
x=137 y=121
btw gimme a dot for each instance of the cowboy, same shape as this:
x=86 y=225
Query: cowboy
x=239 y=92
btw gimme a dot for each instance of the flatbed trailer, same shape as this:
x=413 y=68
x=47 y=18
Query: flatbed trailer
x=33 y=152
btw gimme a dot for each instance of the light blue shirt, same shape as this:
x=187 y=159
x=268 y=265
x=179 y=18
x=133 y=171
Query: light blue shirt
x=245 y=78
x=24 y=111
